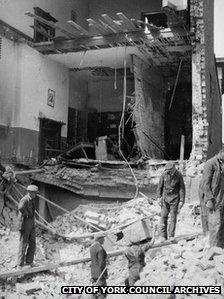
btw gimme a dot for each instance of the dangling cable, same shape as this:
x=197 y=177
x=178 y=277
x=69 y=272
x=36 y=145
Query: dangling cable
x=115 y=71
x=121 y=125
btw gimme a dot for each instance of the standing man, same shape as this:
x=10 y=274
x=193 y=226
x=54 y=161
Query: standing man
x=171 y=193
x=212 y=189
x=27 y=241
x=98 y=257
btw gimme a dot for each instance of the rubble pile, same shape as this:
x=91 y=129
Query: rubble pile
x=185 y=263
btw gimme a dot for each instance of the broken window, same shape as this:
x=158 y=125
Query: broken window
x=156 y=19
x=42 y=31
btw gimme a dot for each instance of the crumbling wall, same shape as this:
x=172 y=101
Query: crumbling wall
x=149 y=109
x=26 y=77
x=206 y=101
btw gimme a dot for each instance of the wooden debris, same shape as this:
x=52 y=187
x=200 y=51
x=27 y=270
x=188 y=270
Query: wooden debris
x=30 y=14
x=98 y=27
x=79 y=28
x=126 y=21
x=111 y=23
x=28 y=171
x=56 y=265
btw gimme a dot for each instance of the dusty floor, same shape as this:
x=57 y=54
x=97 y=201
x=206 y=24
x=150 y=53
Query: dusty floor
x=182 y=264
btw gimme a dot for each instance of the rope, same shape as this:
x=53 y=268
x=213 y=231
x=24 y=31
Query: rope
x=65 y=211
x=121 y=125
x=175 y=85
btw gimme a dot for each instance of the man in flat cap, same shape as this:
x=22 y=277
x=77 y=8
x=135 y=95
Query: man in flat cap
x=171 y=193
x=27 y=240
x=98 y=257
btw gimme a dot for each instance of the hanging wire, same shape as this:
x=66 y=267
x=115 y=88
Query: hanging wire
x=115 y=70
x=101 y=95
x=121 y=125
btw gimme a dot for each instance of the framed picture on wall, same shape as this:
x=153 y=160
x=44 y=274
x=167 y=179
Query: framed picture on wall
x=50 y=97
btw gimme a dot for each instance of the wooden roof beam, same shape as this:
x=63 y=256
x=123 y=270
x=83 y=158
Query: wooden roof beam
x=111 y=23
x=73 y=45
x=65 y=32
x=99 y=28
x=81 y=30
x=126 y=21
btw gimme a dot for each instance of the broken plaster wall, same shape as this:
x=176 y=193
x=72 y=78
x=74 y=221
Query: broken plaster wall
x=206 y=99
x=26 y=76
x=149 y=109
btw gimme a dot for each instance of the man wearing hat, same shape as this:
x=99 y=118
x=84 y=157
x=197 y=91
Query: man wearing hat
x=135 y=254
x=98 y=257
x=27 y=240
x=171 y=193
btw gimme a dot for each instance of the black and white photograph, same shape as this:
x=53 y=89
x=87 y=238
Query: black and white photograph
x=111 y=149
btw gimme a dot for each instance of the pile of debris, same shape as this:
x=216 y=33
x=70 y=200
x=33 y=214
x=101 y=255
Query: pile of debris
x=185 y=263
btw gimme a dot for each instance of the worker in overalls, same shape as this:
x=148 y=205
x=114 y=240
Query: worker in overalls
x=26 y=226
x=98 y=257
x=212 y=189
x=171 y=194
x=135 y=254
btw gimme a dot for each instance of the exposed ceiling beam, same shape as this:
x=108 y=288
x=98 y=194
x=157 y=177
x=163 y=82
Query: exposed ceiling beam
x=51 y=24
x=12 y=33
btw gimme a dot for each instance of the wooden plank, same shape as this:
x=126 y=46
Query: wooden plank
x=97 y=26
x=111 y=23
x=41 y=31
x=30 y=14
x=79 y=28
x=28 y=171
x=73 y=45
x=126 y=21
x=113 y=230
x=56 y=265
x=107 y=26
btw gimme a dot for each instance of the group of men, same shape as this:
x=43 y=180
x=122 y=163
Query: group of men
x=171 y=196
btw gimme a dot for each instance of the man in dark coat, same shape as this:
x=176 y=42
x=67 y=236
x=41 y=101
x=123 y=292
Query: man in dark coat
x=27 y=241
x=171 y=193
x=135 y=255
x=212 y=190
x=98 y=257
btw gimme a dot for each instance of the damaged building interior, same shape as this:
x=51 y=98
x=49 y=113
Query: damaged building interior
x=96 y=96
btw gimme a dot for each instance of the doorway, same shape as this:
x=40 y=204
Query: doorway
x=178 y=121
x=49 y=139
